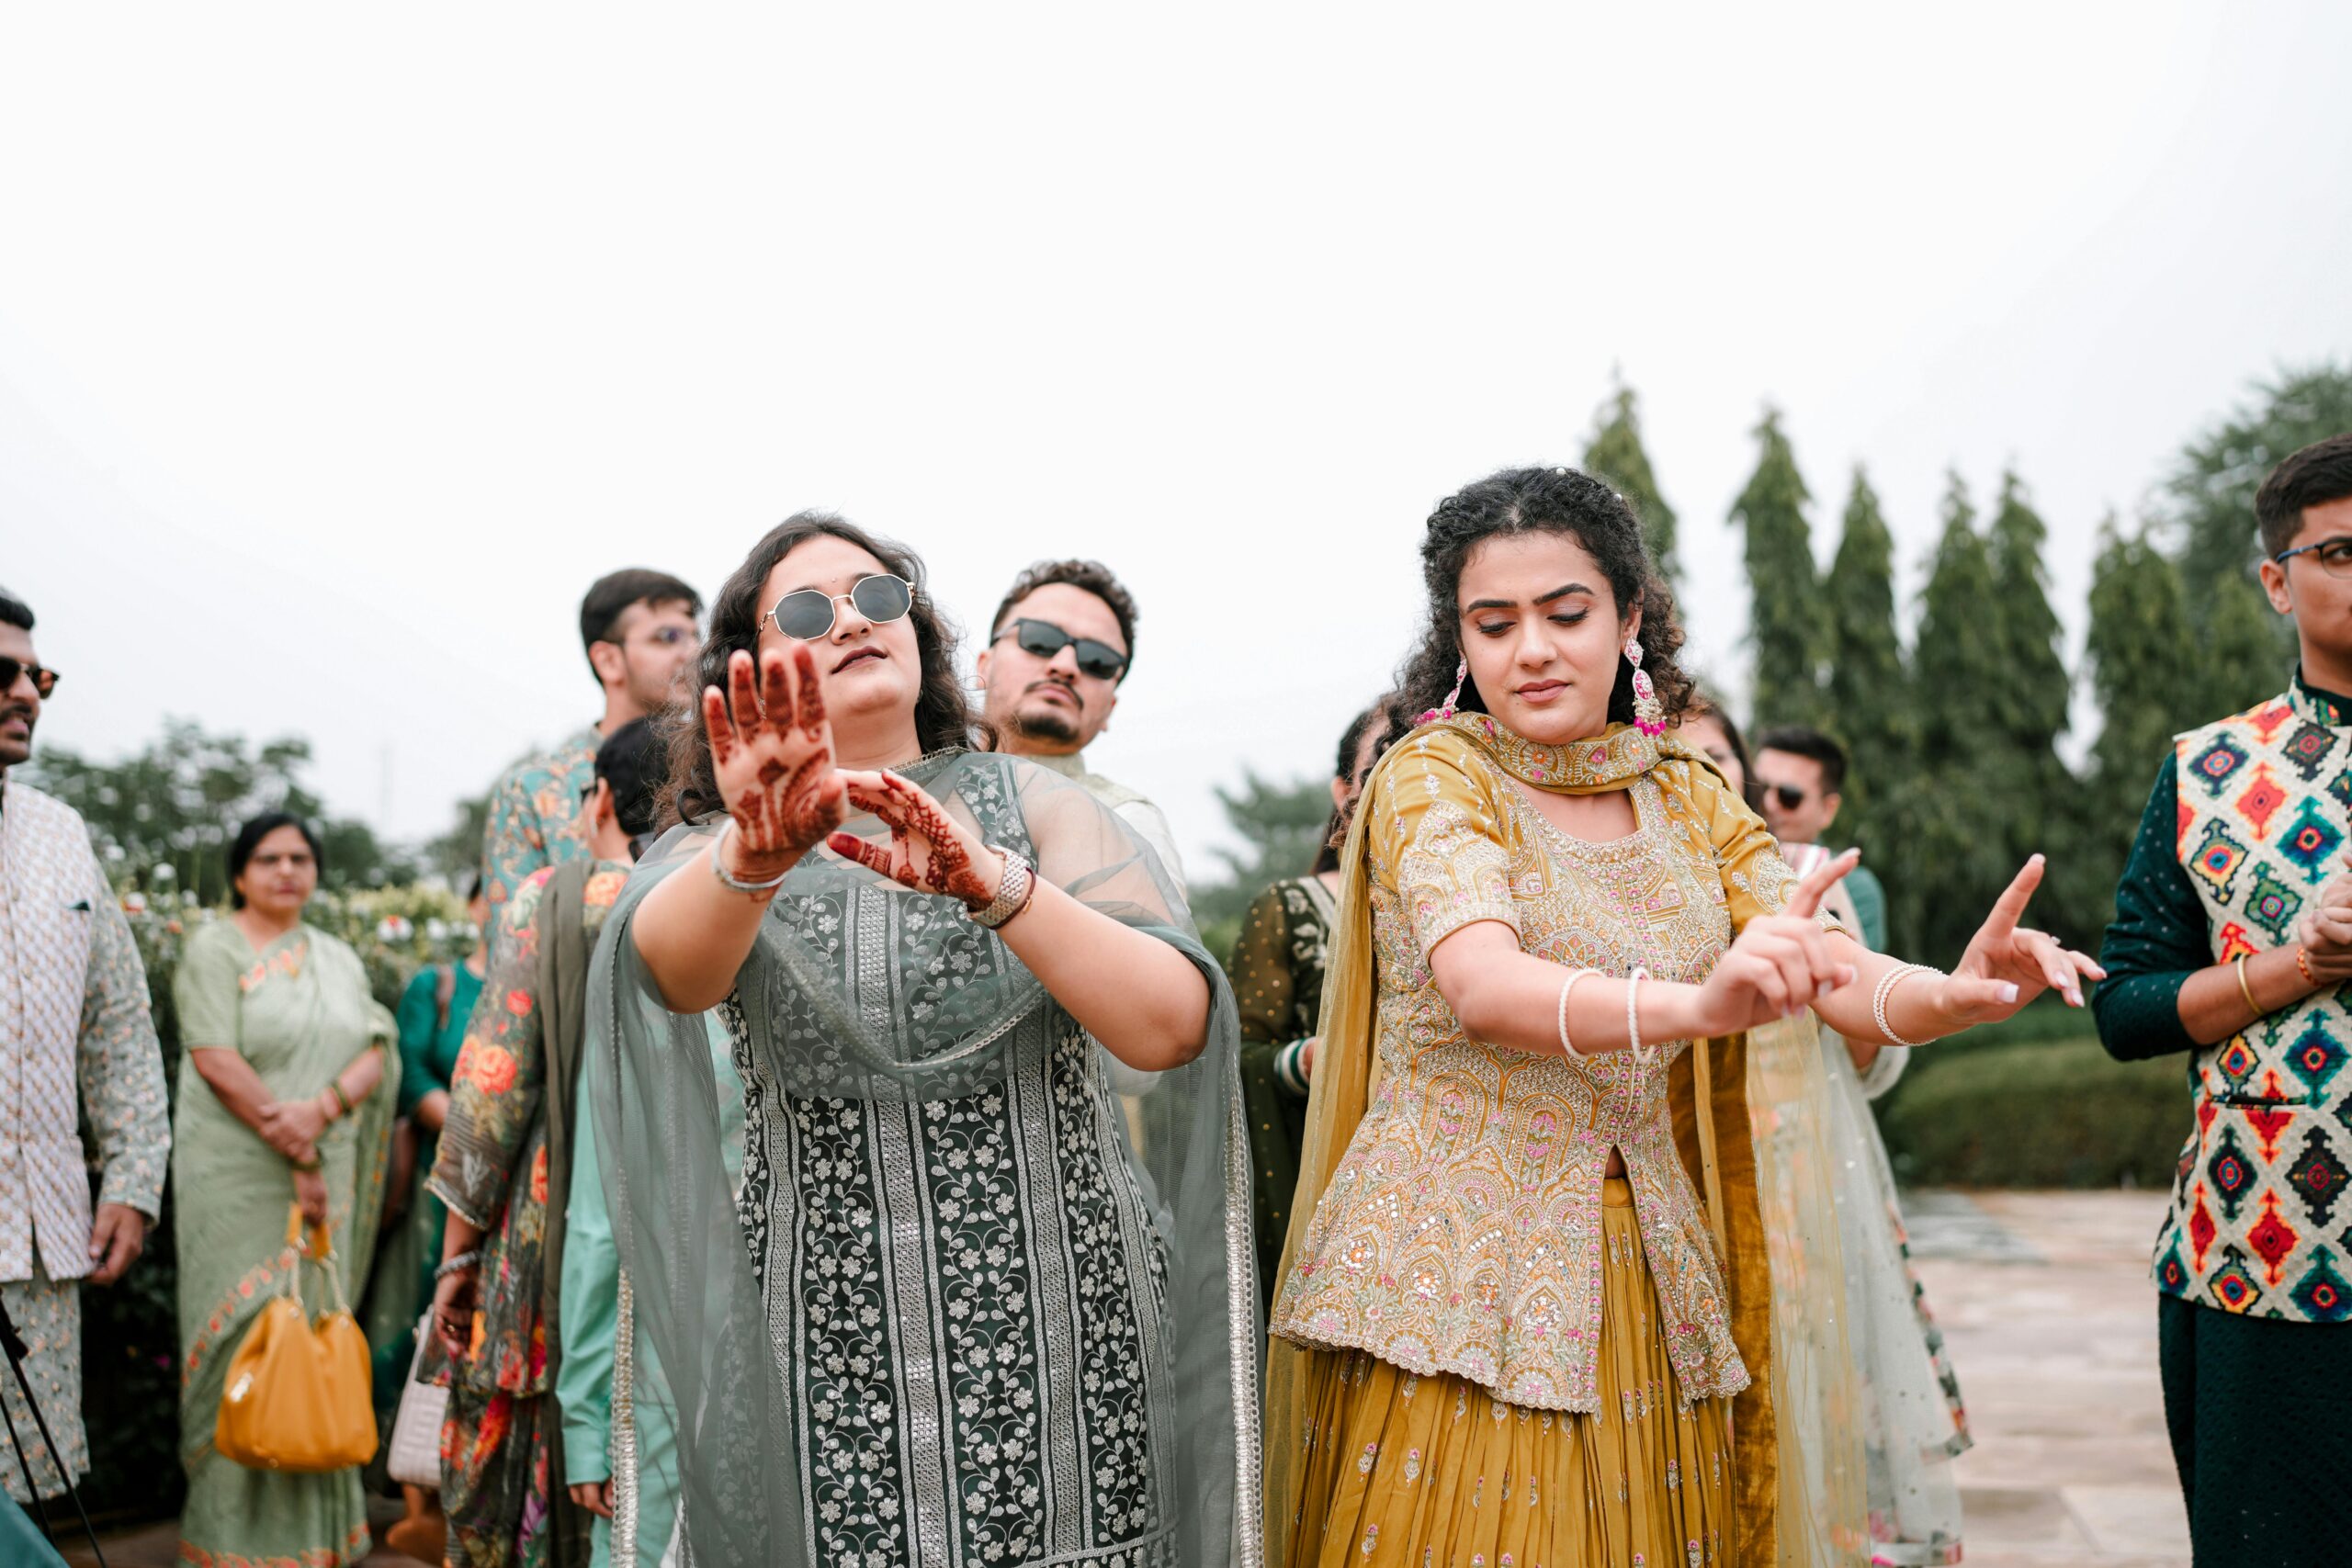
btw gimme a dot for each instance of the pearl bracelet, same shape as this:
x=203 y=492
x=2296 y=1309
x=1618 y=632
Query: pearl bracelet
x=1643 y=1056
x=1886 y=984
x=1566 y=987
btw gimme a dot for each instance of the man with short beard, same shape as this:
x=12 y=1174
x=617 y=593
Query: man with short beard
x=1058 y=647
x=76 y=1041
x=639 y=631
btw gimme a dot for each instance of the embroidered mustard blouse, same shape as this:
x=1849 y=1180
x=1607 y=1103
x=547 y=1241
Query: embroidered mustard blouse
x=1461 y=1231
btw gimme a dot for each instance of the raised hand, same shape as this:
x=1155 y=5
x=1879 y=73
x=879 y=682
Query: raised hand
x=771 y=752
x=2007 y=965
x=1779 y=962
x=927 y=849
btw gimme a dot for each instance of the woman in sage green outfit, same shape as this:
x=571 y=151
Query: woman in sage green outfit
x=285 y=1094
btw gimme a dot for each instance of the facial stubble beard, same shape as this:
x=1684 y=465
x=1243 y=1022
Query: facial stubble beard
x=1044 y=724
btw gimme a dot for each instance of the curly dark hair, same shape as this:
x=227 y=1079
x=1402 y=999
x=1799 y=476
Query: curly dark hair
x=1540 y=500
x=1091 y=575
x=943 y=715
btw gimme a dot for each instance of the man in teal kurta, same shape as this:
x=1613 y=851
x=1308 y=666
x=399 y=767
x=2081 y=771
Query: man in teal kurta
x=2232 y=939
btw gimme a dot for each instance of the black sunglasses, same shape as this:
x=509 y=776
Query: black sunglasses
x=1044 y=639
x=1790 y=797
x=44 y=680
x=807 y=614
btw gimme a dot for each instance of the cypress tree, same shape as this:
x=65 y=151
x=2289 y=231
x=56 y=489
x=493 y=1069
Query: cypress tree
x=1784 y=625
x=2247 y=656
x=2141 y=666
x=1615 y=454
x=2043 y=808
x=1954 y=841
x=1869 y=706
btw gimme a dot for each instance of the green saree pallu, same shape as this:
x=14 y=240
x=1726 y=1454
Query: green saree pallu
x=299 y=1010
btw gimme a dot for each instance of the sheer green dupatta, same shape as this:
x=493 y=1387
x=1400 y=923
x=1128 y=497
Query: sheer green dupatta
x=863 y=990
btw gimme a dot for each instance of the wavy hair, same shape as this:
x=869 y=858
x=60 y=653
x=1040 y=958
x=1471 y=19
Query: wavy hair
x=943 y=717
x=1519 y=502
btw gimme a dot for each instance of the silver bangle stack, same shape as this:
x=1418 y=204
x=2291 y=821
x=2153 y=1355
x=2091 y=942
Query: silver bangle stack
x=727 y=878
x=1886 y=984
x=457 y=1265
x=1012 y=895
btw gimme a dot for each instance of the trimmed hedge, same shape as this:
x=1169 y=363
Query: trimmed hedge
x=2006 y=1109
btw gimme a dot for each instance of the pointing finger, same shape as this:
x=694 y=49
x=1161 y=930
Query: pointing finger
x=2010 y=908
x=1815 y=885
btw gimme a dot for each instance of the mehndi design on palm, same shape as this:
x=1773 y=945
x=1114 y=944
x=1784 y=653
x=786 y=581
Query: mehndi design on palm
x=771 y=752
x=927 y=849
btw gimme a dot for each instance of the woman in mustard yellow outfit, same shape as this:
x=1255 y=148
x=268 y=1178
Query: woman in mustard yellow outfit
x=1504 y=1334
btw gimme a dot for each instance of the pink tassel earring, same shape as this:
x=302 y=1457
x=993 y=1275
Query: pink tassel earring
x=1649 y=714
x=1460 y=674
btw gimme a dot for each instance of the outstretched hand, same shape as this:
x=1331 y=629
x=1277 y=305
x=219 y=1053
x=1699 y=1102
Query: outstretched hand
x=1780 y=962
x=2008 y=965
x=928 y=848
x=771 y=753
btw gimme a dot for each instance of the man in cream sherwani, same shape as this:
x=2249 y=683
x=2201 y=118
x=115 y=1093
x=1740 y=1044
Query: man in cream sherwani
x=76 y=1037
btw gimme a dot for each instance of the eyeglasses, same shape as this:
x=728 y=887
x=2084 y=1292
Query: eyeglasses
x=2335 y=556
x=44 y=680
x=1789 y=795
x=1044 y=639
x=807 y=614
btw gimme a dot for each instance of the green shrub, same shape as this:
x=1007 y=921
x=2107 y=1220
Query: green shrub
x=2034 y=1113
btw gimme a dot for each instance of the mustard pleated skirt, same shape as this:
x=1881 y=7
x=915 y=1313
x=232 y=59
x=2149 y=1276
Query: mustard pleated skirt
x=1435 y=1472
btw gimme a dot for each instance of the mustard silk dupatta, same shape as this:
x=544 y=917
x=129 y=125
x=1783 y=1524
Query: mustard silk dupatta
x=1768 y=1201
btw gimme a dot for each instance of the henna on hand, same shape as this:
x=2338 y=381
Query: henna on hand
x=771 y=752
x=946 y=866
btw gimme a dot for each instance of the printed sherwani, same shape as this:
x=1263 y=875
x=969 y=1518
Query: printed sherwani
x=75 y=1038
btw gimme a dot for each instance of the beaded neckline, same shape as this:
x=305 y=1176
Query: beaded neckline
x=1609 y=760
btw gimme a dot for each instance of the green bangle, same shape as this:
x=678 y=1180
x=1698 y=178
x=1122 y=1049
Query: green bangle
x=308 y=1166
x=340 y=1097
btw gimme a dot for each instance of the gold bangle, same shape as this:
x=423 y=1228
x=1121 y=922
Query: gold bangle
x=2245 y=990
x=2304 y=966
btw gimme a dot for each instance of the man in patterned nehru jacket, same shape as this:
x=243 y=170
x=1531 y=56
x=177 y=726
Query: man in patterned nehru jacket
x=77 y=1044
x=2232 y=939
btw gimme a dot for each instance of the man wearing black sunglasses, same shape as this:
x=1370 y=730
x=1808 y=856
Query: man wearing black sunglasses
x=77 y=1045
x=1062 y=641
x=1799 y=772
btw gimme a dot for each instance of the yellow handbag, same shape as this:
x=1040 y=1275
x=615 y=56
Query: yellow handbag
x=297 y=1397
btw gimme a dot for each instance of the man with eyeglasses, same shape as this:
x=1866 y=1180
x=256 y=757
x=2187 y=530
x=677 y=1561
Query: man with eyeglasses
x=1799 y=772
x=1059 y=645
x=2231 y=942
x=77 y=1044
x=640 y=632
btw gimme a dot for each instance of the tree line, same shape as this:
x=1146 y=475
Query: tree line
x=1955 y=736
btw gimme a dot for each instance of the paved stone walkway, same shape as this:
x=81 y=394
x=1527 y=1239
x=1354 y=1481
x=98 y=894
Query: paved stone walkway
x=2045 y=1299
x=2046 y=1303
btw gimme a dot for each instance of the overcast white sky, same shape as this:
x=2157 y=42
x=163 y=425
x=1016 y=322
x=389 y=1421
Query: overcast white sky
x=338 y=352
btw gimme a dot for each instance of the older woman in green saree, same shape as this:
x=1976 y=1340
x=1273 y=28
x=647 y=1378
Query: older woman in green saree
x=285 y=1094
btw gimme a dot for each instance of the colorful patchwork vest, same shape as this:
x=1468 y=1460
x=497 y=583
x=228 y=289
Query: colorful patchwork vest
x=2260 y=1221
